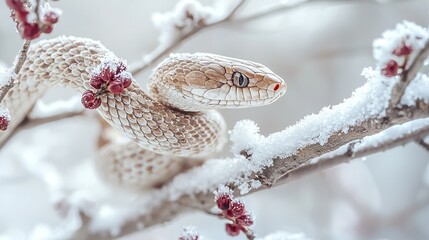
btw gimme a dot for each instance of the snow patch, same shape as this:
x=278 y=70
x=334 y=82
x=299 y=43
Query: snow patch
x=408 y=33
x=186 y=15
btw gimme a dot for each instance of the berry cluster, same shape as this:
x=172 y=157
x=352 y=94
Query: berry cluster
x=110 y=76
x=4 y=122
x=30 y=30
x=235 y=211
x=391 y=68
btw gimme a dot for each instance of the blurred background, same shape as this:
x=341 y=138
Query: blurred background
x=319 y=49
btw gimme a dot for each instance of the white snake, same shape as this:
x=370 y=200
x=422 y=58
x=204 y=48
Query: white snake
x=174 y=123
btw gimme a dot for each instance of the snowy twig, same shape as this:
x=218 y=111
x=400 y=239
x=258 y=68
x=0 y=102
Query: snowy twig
x=162 y=50
x=22 y=56
x=352 y=151
x=279 y=8
x=395 y=115
x=399 y=90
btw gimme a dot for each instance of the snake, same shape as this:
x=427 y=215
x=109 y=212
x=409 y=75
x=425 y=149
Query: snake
x=175 y=122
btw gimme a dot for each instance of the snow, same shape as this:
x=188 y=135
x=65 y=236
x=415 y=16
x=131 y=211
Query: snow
x=4 y=112
x=6 y=76
x=407 y=32
x=368 y=101
x=391 y=133
x=186 y=15
x=417 y=90
x=221 y=191
x=189 y=233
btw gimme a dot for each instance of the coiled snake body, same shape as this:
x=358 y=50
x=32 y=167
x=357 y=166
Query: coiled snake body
x=173 y=123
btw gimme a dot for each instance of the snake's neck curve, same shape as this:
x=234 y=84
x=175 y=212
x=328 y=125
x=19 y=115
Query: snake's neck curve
x=69 y=61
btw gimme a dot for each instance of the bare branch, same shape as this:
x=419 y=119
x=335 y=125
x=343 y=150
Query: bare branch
x=29 y=123
x=22 y=56
x=161 y=50
x=399 y=90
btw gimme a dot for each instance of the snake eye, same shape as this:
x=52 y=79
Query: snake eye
x=240 y=80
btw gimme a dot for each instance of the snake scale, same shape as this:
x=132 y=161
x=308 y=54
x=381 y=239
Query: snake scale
x=174 y=122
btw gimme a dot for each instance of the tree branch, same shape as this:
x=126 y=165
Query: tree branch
x=22 y=56
x=351 y=152
x=395 y=115
x=399 y=90
x=162 y=50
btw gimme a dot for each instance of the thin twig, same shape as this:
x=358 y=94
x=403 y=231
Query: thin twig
x=22 y=56
x=29 y=123
x=399 y=90
x=161 y=51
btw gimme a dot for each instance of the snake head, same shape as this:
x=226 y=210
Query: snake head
x=201 y=81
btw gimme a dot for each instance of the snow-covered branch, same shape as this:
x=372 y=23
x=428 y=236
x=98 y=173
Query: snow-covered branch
x=361 y=125
x=188 y=18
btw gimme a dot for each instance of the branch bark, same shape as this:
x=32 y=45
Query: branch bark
x=22 y=56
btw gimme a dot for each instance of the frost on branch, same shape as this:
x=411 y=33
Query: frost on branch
x=189 y=233
x=7 y=75
x=399 y=47
x=187 y=15
x=6 y=78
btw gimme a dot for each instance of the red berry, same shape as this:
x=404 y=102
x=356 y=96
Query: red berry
x=121 y=67
x=223 y=201
x=237 y=209
x=21 y=16
x=232 y=229
x=106 y=74
x=126 y=81
x=29 y=31
x=116 y=87
x=15 y=4
x=48 y=28
x=96 y=82
x=51 y=17
x=4 y=123
x=402 y=50
x=245 y=220
x=391 y=69
x=89 y=100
